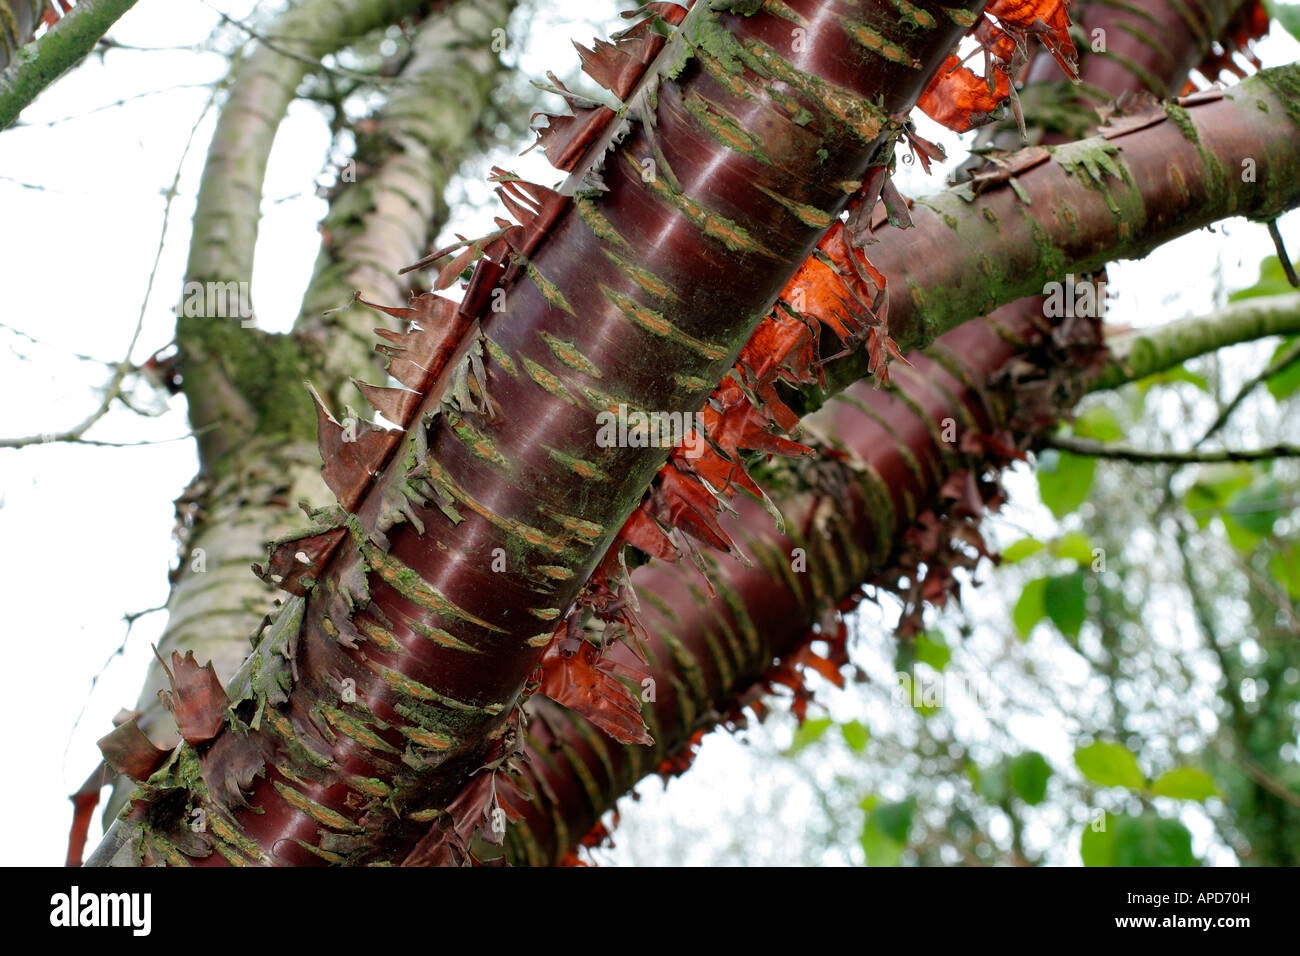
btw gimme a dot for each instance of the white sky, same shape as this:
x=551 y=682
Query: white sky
x=82 y=205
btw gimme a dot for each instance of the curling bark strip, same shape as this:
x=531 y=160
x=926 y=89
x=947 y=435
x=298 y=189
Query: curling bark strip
x=1151 y=45
x=410 y=619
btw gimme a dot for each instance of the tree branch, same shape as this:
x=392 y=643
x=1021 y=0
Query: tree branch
x=845 y=522
x=1070 y=209
x=429 y=123
x=571 y=312
x=1142 y=456
x=237 y=377
x=38 y=64
x=313 y=63
x=1289 y=355
x=394 y=209
x=1136 y=355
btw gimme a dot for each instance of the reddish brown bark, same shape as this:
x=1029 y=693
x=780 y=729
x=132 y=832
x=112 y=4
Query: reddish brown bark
x=576 y=774
x=889 y=466
x=438 y=645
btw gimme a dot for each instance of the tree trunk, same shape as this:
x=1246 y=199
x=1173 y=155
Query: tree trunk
x=443 y=665
x=476 y=446
x=388 y=214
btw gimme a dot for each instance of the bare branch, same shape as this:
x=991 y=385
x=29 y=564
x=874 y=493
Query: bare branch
x=1138 y=354
x=1282 y=257
x=113 y=105
x=115 y=389
x=1142 y=456
x=313 y=62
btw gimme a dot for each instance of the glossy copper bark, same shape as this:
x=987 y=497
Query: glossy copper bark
x=410 y=652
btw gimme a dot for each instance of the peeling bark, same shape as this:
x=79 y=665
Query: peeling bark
x=709 y=654
x=332 y=817
x=386 y=215
x=1071 y=208
x=567 y=758
x=885 y=465
x=345 y=786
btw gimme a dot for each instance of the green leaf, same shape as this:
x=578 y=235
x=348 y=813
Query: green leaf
x=990 y=783
x=1222 y=479
x=932 y=649
x=1019 y=550
x=1064 y=480
x=885 y=832
x=880 y=850
x=894 y=820
x=1256 y=508
x=1031 y=608
x=856 y=734
x=809 y=732
x=1285 y=381
x=1097 y=845
x=1028 y=774
x=1179 y=373
x=1201 y=505
x=1151 y=840
x=1064 y=598
x=1098 y=422
x=1146 y=840
x=1110 y=765
x=1272 y=280
x=1213 y=486
x=1250 y=513
x=1077 y=546
x=1185 y=783
x=1243 y=539
x=1285 y=568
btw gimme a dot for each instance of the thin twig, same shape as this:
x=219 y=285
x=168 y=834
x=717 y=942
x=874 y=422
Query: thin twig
x=1282 y=257
x=114 y=391
x=315 y=64
x=116 y=103
x=1289 y=355
x=1096 y=449
x=130 y=618
x=80 y=356
x=67 y=438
